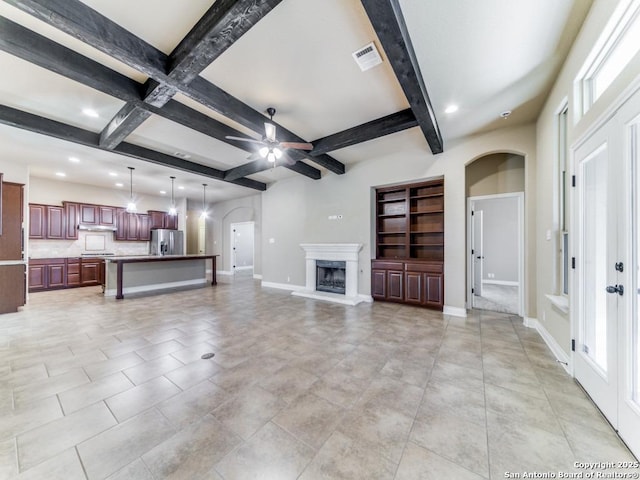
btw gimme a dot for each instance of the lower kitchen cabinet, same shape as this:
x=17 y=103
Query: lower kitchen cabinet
x=56 y=273
x=412 y=282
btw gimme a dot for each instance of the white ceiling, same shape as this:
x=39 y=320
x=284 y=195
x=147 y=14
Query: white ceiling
x=487 y=57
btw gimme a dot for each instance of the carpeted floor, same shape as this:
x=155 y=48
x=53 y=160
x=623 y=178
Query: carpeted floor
x=497 y=298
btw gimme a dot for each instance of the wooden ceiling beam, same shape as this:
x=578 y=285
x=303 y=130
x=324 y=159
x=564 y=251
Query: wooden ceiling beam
x=380 y=127
x=388 y=22
x=52 y=128
x=47 y=54
x=84 y=23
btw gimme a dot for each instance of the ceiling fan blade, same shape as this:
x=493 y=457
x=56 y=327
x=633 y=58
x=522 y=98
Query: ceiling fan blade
x=270 y=131
x=243 y=139
x=297 y=145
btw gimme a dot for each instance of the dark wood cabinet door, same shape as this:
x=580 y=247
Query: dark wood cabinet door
x=12 y=286
x=71 y=214
x=434 y=291
x=171 y=221
x=144 y=232
x=131 y=220
x=11 y=240
x=379 y=284
x=89 y=214
x=413 y=287
x=90 y=274
x=56 y=276
x=55 y=218
x=37 y=221
x=37 y=277
x=395 y=286
x=107 y=216
x=121 y=224
x=156 y=219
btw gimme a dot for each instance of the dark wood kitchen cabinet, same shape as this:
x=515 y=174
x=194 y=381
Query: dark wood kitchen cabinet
x=159 y=219
x=91 y=271
x=47 y=222
x=144 y=232
x=89 y=214
x=107 y=216
x=132 y=227
x=37 y=221
x=47 y=274
x=56 y=273
x=409 y=263
x=71 y=210
x=12 y=270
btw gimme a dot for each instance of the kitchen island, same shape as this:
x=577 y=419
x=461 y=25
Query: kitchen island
x=145 y=273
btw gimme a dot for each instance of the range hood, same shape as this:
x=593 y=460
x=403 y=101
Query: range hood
x=96 y=228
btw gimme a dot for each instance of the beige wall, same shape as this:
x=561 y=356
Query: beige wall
x=296 y=210
x=554 y=321
x=495 y=173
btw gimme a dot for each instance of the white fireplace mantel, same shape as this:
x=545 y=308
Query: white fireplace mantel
x=345 y=252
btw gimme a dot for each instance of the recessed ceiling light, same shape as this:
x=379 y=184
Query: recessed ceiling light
x=113 y=174
x=89 y=112
x=61 y=174
x=119 y=184
x=74 y=160
x=505 y=114
x=181 y=187
x=451 y=109
x=162 y=192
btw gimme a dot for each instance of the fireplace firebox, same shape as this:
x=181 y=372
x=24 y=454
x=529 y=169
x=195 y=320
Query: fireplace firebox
x=331 y=276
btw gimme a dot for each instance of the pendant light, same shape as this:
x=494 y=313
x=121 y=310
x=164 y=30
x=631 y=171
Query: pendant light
x=204 y=203
x=131 y=206
x=173 y=211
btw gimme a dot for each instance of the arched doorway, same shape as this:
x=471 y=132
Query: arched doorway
x=495 y=233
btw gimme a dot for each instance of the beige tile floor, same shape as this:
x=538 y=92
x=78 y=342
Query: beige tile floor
x=97 y=388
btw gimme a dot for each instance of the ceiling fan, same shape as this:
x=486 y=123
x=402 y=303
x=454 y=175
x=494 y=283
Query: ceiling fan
x=271 y=148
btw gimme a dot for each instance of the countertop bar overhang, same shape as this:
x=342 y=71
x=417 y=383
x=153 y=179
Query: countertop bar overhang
x=144 y=273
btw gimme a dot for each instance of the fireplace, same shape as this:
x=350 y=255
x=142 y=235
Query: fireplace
x=331 y=276
x=332 y=273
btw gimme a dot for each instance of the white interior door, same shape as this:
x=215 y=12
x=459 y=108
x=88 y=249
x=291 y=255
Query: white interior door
x=606 y=360
x=478 y=256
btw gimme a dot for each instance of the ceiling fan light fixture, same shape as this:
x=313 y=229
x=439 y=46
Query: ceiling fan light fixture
x=264 y=151
x=277 y=152
x=271 y=157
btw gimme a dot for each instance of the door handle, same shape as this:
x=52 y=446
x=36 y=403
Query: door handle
x=479 y=258
x=619 y=289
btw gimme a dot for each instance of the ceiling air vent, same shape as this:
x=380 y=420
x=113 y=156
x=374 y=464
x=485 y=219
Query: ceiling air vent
x=367 y=57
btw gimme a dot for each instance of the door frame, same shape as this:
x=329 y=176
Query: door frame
x=232 y=257
x=470 y=267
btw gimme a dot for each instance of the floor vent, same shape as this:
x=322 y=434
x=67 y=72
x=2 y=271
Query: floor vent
x=367 y=57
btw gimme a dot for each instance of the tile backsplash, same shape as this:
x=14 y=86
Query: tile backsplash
x=87 y=242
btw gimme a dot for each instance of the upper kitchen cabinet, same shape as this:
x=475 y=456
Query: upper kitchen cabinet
x=107 y=216
x=37 y=221
x=159 y=219
x=47 y=222
x=71 y=210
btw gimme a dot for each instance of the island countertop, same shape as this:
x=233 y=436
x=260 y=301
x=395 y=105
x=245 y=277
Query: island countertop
x=156 y=258
x=153 y=280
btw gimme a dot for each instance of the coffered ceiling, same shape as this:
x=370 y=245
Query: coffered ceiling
x=169 y=80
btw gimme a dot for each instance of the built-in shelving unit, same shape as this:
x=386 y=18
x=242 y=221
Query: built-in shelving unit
x=410 y=244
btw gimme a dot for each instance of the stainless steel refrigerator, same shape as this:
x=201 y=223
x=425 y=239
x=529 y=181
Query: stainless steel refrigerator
x=166 y=242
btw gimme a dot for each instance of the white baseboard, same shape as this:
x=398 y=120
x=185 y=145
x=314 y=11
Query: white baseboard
x=248 y=267
x=283 y=286
x=224 y=272
x=257 y=276
x=111 y=292
x=554 y=346
x=508 y=283
x=454 y=311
